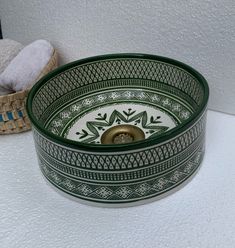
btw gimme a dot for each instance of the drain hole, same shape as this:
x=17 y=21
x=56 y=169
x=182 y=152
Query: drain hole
x=122 y=134
x=123 y=138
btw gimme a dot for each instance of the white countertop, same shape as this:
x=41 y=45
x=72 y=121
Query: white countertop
x=201 y=214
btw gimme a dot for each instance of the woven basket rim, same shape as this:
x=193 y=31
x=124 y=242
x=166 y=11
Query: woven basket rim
x=13 y=115
x=20 y=93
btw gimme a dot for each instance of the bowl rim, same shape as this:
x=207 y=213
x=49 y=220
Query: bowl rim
x=118 y=147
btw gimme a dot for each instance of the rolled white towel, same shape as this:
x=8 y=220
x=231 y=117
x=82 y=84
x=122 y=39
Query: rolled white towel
x=5 y=91
x=8 y=50
x=25 y=68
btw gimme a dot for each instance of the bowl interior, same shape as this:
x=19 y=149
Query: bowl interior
x=115 y=100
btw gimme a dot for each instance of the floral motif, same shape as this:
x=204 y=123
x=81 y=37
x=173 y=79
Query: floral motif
x=69 y=185
x=114 y=95
x=93 y=130
x=75 y=107
x=101 y=98
x=88 y=102
x=161 y=182
x=189 y=167
x=79 y=106
x=176 y=107
x=57 y=123
x=150 y=187
x=185 y=114
x=128 y=94
x=65 y=115
x=123 y=192
x=84 y=189
x=166 y=102
x=104 y=192
x=155 y=98
x=142 y=189
x=176 y=176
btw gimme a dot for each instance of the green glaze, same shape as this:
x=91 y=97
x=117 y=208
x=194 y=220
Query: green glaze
x=74 y=105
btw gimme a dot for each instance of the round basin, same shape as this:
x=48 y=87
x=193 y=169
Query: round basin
x=120 y=129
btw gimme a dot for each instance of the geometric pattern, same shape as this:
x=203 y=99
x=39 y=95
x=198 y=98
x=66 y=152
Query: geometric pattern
x=123 y=68
x=120 y=175
x=62 y=117
x=125 y=192
x=114 y=184
x=121 y=161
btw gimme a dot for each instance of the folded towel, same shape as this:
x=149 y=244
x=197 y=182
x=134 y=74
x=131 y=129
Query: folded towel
x=25 y=68
x=5 y=91
x=8 y=50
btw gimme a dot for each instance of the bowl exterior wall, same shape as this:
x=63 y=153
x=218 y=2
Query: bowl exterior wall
x=125 y=176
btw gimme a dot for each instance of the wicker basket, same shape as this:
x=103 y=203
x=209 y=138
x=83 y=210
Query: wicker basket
x=13 y=116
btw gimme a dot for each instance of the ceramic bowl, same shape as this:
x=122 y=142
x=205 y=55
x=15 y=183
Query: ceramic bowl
x=119 y=129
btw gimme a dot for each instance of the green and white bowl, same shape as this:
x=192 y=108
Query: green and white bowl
x=119 y=129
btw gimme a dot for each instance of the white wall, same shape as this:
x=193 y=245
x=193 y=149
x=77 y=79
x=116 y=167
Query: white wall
x=200 y=33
